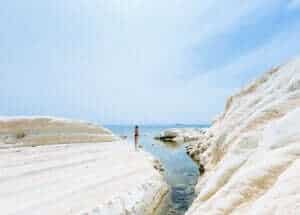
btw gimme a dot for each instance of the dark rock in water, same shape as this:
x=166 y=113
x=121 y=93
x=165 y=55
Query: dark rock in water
x=172 y=211
x=165 y=139
x=201 y=169
x=158 y=166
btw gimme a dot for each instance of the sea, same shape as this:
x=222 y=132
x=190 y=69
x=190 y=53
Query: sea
x=180 y=171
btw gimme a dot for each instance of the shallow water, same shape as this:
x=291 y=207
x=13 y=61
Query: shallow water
x=181 y=173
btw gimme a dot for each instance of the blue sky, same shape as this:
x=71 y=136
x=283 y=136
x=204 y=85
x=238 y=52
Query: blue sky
x=138 y=61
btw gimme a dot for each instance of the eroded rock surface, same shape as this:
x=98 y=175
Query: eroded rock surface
x=251 y=153
x=34 y=131
x=74 y=168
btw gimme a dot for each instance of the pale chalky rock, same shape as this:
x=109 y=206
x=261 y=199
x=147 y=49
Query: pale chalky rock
x=251 y=152
x=33 y=131
x=73 y=168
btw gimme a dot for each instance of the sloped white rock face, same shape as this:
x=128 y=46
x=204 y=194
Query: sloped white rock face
x=251 y=153
x=105 y=178
x=33 y=131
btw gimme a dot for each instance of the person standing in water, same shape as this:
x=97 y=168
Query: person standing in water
x=136 y=136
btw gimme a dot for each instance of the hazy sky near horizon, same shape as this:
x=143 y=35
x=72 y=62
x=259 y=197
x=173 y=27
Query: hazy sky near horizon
x=138 y=61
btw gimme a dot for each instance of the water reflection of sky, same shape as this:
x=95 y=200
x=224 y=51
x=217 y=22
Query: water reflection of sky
x=181 y=172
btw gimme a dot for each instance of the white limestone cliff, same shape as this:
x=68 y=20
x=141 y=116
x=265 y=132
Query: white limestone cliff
x=33 y=131
x=251 y=152
x=58 y=166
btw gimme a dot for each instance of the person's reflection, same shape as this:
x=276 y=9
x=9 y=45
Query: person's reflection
x=136 y=137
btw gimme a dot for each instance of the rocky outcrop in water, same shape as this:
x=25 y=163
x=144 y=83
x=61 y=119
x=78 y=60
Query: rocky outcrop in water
x=251 y=152
x=180 y=135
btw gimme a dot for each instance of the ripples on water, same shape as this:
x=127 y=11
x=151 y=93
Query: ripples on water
x=181 y=173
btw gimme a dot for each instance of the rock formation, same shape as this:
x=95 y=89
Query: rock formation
x=180 y=135
x=251 y=152
x=33 y=131
x=73 y=168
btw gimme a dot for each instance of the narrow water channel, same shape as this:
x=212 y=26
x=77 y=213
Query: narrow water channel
x=181 y=173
